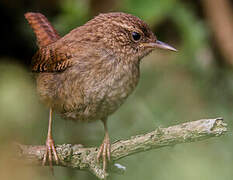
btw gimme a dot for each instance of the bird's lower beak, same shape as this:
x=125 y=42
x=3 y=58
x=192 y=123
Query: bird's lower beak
x=161 y=45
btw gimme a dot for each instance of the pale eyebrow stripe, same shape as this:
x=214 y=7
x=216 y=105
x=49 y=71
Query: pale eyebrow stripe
x=125 y=26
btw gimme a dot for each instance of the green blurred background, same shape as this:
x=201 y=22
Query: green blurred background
x=195 y=83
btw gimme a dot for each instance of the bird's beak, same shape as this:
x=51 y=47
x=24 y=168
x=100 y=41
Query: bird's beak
x=161 y=45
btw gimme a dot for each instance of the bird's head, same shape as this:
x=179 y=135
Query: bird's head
x=125 y=35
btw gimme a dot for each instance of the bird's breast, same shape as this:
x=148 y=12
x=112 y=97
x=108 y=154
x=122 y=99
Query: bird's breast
x=88 y=95
x=105 y=95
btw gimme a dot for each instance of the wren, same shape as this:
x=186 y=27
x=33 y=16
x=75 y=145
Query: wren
x=88 y=74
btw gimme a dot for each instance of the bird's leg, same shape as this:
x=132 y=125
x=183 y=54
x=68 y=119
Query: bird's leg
x=50 y=147
x=105 y=148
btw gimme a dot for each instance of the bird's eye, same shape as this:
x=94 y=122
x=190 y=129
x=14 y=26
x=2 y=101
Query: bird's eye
x=136 y=36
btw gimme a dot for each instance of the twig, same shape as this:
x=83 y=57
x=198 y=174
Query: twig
x=74 y=156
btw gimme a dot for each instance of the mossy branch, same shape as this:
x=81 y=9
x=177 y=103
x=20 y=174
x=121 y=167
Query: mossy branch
x=74 y=156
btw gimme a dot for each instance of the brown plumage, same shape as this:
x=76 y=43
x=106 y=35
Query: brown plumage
x=87 y=74
x=45 y=33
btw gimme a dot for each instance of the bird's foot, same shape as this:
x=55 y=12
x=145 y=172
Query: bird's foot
x=50 y=152
x=104 y=152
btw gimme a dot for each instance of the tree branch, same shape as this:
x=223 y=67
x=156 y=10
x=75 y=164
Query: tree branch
x=74 y=156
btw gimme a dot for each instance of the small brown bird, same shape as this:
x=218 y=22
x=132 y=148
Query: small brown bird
x=87 y=74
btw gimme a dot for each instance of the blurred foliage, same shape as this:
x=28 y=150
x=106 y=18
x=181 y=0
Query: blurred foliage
x=174 y=88
x=150 y=10
x=73 y=13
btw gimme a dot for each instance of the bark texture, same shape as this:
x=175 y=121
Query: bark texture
x=78 y=157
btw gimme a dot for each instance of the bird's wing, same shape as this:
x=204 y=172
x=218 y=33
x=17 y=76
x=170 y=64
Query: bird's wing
x=50 y=59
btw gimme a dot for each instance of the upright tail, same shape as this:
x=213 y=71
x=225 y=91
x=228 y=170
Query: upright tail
x=45 y=33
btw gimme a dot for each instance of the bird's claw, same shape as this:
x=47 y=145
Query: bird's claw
x=104 y=152
x=50 y=152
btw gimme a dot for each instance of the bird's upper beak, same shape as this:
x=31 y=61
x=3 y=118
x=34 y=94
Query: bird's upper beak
x=161 y=45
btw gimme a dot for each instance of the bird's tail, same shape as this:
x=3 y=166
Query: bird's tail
x=45 y=33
